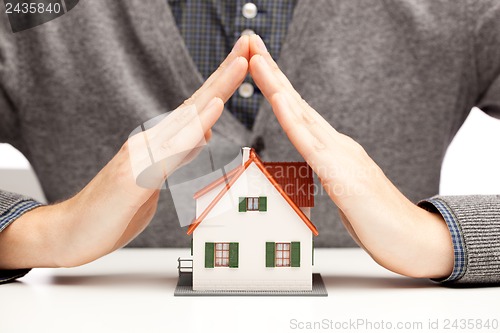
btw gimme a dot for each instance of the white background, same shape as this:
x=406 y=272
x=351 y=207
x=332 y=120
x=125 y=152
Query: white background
x=471 y=166
x=131 y=290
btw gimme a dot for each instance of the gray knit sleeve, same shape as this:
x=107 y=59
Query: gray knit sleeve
x=486 y=23
x=9 y=124
x=12 y=206
x=478 y=221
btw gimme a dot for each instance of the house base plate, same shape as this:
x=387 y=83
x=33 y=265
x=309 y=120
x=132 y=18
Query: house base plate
x=185 y=288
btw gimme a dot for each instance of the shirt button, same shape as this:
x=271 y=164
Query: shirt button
x=247 y=32
x=249 y=10
x=246 y=90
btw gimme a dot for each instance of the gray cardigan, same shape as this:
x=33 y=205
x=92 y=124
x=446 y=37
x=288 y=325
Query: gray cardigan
x=399 y=76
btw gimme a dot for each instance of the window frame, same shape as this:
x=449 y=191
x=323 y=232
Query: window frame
x=221 y=254
x=283 y=255
x=255 y=201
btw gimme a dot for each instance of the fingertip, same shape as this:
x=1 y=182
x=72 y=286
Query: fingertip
x=242 y=61
x=211 y=113
x=217 y=103
x=242 y=47
x=255 y=62
x=208 y=135
x=257 y=45
x=255 y=58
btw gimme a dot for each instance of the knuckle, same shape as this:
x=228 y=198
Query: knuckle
x=190 y=100
x=318 y=144
x=303 y=102
x=168 y=145
x=308 y=118
x=124 y=149
x=356 y=148
x=221 y=67
x=275 y=69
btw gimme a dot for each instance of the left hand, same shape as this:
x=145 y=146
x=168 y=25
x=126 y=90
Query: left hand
x=112 y=208
x=398 y=235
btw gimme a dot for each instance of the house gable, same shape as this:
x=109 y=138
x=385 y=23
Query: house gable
x=235 y=176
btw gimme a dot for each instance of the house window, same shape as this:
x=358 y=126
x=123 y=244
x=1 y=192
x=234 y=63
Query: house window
x=282 y=255
x=253 y=203
x=221 y=254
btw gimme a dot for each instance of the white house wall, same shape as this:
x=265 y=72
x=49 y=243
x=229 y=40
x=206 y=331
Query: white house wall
x=252 y=230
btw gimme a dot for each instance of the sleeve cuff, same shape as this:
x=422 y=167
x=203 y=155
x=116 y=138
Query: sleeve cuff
x=15 y=211
x=460 y=264
x=9 y=276
x=474 y=223
x=12 y=206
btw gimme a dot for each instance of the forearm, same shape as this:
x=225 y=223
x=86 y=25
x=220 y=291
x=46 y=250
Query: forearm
x=51 y=236
x=420 y=246
x=398 y=234
x=29 y=241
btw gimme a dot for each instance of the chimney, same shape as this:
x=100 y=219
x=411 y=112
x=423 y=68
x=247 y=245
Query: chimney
x=246 y=154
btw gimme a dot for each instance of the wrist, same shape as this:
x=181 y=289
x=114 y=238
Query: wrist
x=435 y=246
x=26 y=242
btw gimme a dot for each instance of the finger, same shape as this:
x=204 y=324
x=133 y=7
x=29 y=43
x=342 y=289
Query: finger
x=224 y=85
x=192 y=154
x=176 y=148
x=266 y=77
x=208 y=135
x=257 y=47
x=153 y=159
x=314 y=146
x=240 y=50
x=232 y=67
x=300 y=136
x=223 y=88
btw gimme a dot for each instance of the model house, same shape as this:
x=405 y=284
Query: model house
x=252 y=229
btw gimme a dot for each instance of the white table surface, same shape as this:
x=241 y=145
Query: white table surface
x=132 y=290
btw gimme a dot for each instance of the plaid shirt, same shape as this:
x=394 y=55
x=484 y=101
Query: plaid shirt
x=210 y=29
x=456 y=238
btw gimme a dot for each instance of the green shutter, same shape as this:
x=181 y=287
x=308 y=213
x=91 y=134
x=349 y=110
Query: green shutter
x=209 y=255
x=262 y=204
x=243 y=204
x=295 y=254
x=233 y=255
x=191 y=246
x=270 y=252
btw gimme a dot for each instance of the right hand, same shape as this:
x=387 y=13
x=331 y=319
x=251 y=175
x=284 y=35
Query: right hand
x=112 y=209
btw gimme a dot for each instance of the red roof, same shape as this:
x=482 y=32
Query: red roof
x=296 y=179
x=285 y=179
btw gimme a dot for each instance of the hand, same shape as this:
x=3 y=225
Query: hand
x=398 y=234
x=112 y=209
